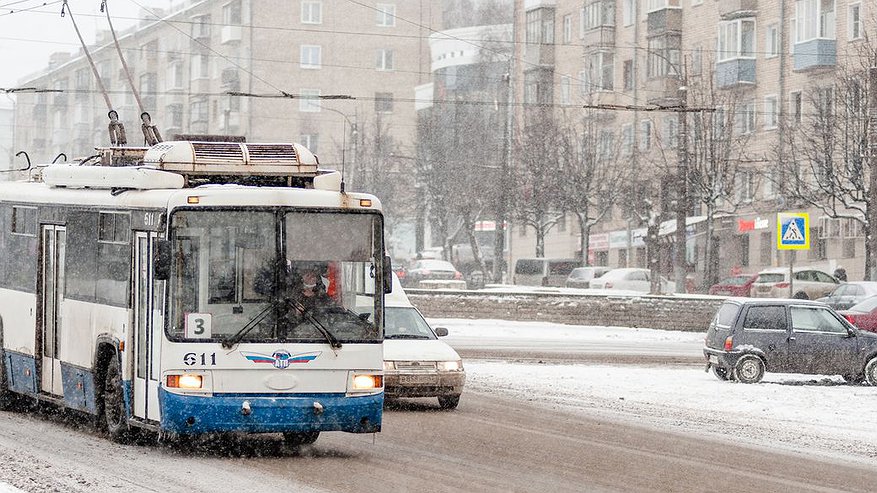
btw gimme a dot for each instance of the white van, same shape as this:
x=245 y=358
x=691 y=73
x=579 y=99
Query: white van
x=543 y=271
x=416 y=362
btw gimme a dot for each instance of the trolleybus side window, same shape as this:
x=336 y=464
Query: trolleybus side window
x=114 y=259
x=24 y=221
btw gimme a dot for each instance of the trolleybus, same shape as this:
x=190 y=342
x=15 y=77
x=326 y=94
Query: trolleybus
x=155 y=288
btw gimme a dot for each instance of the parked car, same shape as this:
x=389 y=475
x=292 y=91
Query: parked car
x=416 y=362
x=863 y=314
x=748 y=337
x=738 y=285
x=430 y=270
x=543 y=271
x=581 y=277
x=809 y=284
x=849 y=294
x=629 y=279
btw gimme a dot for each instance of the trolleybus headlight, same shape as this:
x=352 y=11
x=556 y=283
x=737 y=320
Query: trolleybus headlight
x=185 y=381
x=389 y=365
x=449 y=365
x=367 y=382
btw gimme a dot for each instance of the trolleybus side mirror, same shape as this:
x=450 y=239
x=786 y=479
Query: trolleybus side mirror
x=388 y=275
x=161 y=260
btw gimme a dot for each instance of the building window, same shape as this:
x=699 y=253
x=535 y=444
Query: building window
x=815 y=19
x=602 y=70
x=697 y=60
x=383 y=102
x=565 y=89
x=384 y=59
x=663 y=57
x=653 y=5
x=231 y=13
x=567 y=29
x=540 y=26
x=746 y=118
x=671 y=131
x=175 y=114
x=312 y=12
x=795 y=106
x=200 y=67
x=599 y=13
x=310 y=56
x=386 y=14
x=627 y=74
x=854 y=21
x=771 y=112
x=772 y=41
x=627 y=12
x=198 y=111
x=175 y=75
x=745 y=186
x=310 y=101
x=310 y=141
x=82 y=81
x=605 y=144
x=201 y=26
x=736 y=39
x=148 y=90
x=627 y=139
x=584 y=83
x=645 y=135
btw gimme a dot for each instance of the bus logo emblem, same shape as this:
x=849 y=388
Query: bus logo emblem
x=281 y=358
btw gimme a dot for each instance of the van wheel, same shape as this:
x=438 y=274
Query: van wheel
x=801 y=295
x=721 y=373
x=871 y=372
x=750 y=369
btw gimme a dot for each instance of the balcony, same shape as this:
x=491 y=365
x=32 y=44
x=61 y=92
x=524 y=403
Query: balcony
x=539 y=54
x=735 y=72
x=664 y=20
x=663 y=90
x=600 y=36
x=734 y=9
x=230 y=34
x=815 y=53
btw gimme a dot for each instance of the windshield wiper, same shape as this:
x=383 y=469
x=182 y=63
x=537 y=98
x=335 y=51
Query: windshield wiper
x=333 y=341
x=255 y=321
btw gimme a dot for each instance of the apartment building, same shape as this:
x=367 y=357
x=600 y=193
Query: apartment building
x=282 y=62
x=763 y=70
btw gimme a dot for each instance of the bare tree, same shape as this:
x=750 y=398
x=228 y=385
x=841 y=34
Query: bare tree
x=590 y=174
x=827 y=148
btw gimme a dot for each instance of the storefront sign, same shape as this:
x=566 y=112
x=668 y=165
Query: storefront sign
x=598 y=241
x=744 y=225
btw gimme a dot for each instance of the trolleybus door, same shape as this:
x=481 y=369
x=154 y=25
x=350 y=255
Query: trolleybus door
x=54 y=240
x=148 y=297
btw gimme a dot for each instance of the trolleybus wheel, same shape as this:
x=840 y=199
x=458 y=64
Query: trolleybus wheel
x=297 y=439
x=115 y=414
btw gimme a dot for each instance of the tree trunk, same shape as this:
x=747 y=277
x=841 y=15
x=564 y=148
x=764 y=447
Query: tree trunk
x=710 y=266
x=584 y=238
x=473 y=242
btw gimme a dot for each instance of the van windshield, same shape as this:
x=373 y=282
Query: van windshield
x=529 y=266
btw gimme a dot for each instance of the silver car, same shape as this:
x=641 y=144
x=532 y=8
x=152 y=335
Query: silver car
x=808 y=284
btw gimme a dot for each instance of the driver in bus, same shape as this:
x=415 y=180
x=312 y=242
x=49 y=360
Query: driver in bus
x=311 y=291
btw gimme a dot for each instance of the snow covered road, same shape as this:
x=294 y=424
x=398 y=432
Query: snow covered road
x=816 y=414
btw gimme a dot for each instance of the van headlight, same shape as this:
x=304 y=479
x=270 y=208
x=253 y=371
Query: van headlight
x=450 y=365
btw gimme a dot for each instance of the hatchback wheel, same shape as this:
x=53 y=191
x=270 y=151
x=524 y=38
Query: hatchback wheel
x=721 y=373
x=871 y=372
x=750 y=369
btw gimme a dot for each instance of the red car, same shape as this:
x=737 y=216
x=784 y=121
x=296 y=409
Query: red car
x=734 y=286
x=863 y=315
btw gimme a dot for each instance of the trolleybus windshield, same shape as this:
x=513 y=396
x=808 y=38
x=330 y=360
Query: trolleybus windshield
x=274 y=276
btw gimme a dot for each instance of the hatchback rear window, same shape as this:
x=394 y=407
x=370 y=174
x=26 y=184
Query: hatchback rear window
x=561 y=268
x=529 y=267
x=727 y=314
x=770 y=278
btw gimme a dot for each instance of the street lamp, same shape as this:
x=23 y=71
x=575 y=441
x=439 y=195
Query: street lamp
x=353 y=136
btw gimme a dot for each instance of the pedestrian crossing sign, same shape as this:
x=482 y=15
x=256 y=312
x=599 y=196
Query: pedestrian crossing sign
x=793 y=231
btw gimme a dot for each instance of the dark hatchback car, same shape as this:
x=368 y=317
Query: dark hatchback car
x=750 y=336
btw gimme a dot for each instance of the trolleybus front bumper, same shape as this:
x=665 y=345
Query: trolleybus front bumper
x=192 y=414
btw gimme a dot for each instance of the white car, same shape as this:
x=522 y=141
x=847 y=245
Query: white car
x=416 y=362
x=629 y=279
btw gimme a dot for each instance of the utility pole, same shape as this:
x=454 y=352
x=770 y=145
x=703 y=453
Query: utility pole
x=505 y=169
x=871 y=237
x=679 y=259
